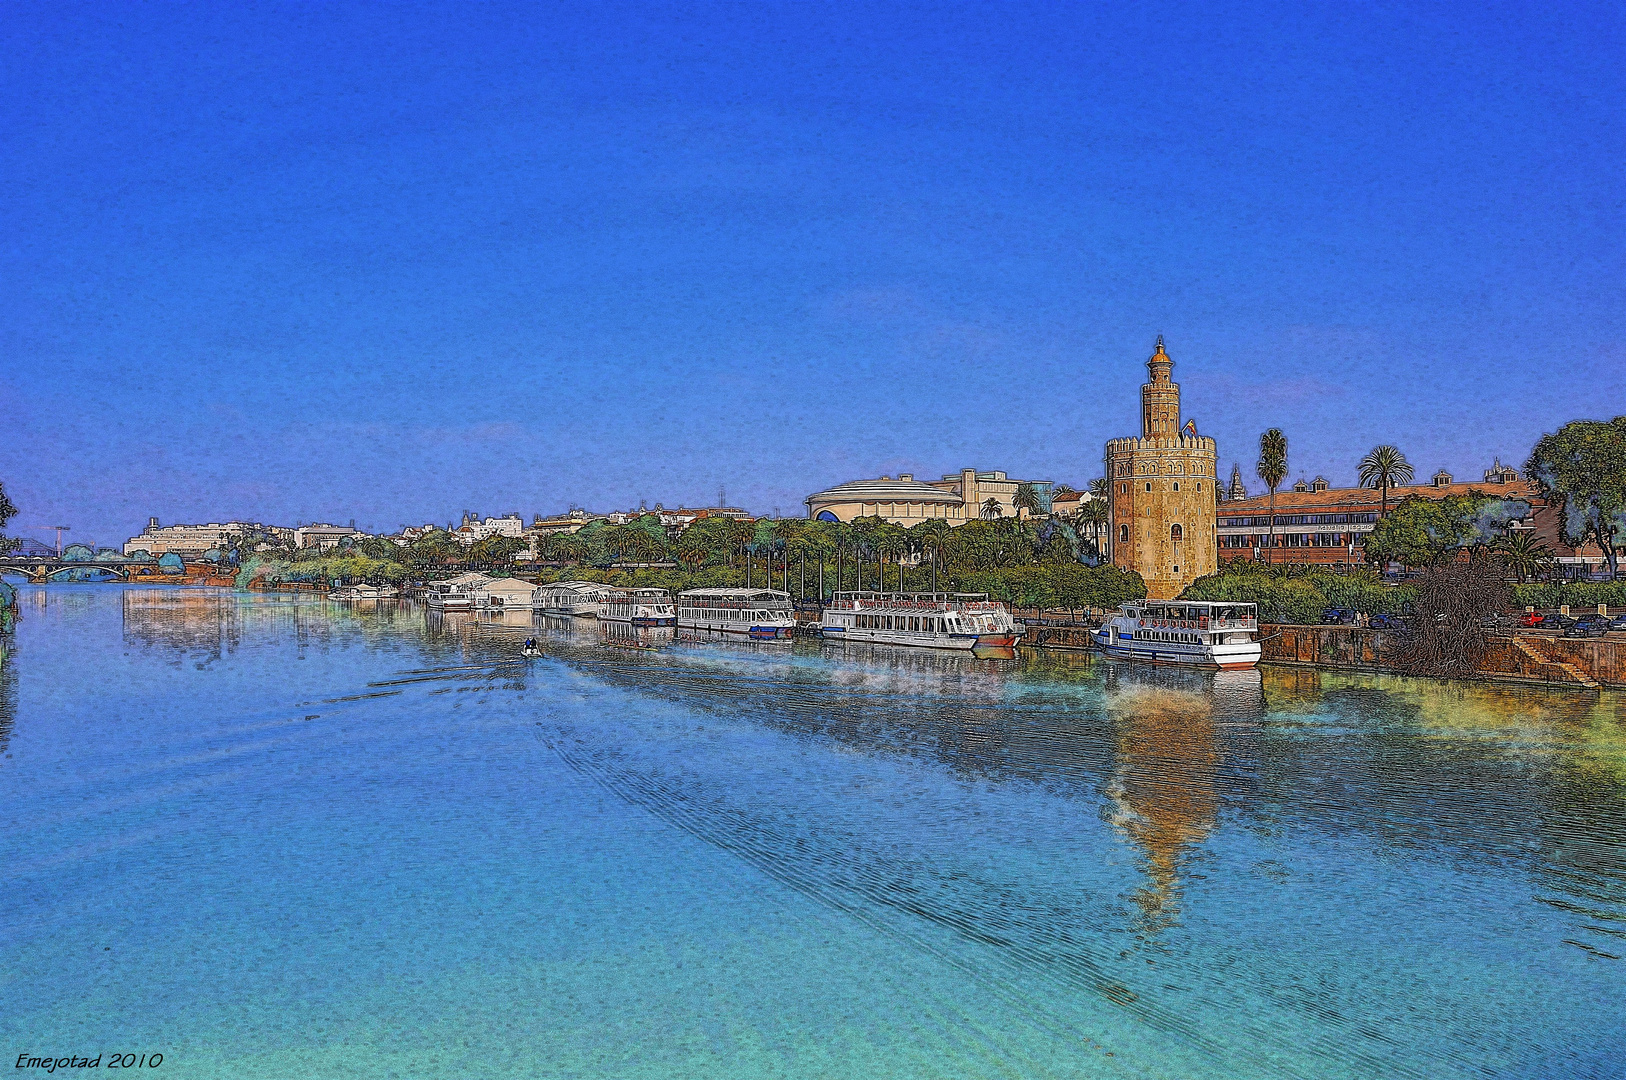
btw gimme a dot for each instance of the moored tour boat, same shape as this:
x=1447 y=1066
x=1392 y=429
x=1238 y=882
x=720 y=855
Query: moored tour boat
x=927 y=620
x=759 y=613
x=640 y=607
x=454 y=594
x=1194 y=632
x=365 y=592
x=578 y=598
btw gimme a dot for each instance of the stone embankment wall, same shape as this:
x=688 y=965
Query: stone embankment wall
x=1519 y=657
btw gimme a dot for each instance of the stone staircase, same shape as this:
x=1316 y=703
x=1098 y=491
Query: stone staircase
x=1558 y=671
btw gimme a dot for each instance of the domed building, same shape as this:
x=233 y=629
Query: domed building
x=957 y=498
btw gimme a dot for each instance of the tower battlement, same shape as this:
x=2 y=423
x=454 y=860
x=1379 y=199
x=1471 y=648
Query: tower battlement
x=1163 y=484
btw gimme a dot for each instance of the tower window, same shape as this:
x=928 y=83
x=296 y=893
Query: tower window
x=1176 y=533
x=1123 y=533
x=1177 y=485
x=1148 y=486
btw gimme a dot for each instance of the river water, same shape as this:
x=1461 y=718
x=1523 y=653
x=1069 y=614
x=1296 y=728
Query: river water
x=273 y=837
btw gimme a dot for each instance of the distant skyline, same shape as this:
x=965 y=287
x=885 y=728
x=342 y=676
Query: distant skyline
x=299 y=263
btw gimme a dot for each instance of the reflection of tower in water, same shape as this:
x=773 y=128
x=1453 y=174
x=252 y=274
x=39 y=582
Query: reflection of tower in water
x=1164 y=785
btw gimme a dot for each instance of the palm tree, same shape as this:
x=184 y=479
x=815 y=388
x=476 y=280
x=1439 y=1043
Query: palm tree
x=932 y=535
x=991 y=509
x=1272 y=469
x=1383 y=468
x=1097 y=516
x=1026 y=498
x=893 y=540
x=739 y=533
x=1525 y=553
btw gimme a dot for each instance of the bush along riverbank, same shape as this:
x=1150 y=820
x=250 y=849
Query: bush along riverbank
x=1299 y=594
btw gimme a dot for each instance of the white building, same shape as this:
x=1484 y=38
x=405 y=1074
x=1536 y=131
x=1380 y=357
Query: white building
x=194 y=540
x=318 y=535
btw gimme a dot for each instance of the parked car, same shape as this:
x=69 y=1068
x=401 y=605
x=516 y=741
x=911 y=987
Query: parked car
x=1555 y=622
x=1618 y=622
x=1384 y=621
x=1530 y=618
x=1588 y=626
x=1338 y=616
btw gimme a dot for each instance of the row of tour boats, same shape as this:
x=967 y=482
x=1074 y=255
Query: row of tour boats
x=1189 y=633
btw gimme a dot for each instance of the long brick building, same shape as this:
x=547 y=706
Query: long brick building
x=1320 y=524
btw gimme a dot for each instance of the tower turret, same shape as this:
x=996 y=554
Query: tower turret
x=1160 y=398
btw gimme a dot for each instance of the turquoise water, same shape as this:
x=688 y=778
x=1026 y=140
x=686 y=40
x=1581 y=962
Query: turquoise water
x=269 y=837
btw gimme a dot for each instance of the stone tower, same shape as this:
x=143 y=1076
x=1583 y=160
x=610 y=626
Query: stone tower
x=1163 y=504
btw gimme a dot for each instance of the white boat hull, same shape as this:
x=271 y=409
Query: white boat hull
x=919 y=639
x=762 y=628
x=1229 y=657
x=577 y=611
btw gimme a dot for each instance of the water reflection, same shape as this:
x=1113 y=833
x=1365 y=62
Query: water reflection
x=1475 y=774
x=8 y=695
x=1163 y=782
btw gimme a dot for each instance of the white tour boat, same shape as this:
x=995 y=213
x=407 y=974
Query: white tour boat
x=456 y=594
x=928 y=620
x=505 y=594
x=1199 y=633
x=640 y=607
x=761 y=613
x=365 y=592
x=580 y=598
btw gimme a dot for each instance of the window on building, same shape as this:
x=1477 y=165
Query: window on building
x=1148 y=487
x=1123 y=534
x=1177 y=485
x=1176 y=533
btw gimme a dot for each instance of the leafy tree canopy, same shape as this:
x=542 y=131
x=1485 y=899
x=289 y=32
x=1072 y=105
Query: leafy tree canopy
x=1421 y=531
x=7 y=512
x=1583 y=464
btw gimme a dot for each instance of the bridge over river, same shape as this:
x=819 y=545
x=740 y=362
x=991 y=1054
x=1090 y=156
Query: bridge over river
x=41 y=569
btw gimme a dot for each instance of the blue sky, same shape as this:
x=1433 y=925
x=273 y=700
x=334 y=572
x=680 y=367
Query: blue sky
x=324 y=262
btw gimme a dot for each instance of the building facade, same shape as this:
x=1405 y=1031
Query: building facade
x=194 y=540
x=1164 y=525
x=1318 y=524
x=321 y=535
x=957 y=498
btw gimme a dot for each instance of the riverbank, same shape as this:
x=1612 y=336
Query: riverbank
x=1532 y=656
x=1526 y=657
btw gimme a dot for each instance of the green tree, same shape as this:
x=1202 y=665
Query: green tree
x=495 y=551
x=569 y=548
x=1026 y=499
x=1095 y=514
x=378 y=548
x=891 y=539
x=991 y=509
x=1525 y=554
x=931 y=537
x=1383 y=468
x=435 y=548
x=1421 y=531
x=7 y=512
x=1583 y=464
x=1272 y=469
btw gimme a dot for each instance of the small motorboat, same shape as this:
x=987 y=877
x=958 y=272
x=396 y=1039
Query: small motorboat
x=531 y=648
